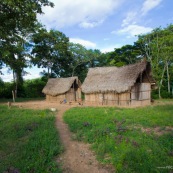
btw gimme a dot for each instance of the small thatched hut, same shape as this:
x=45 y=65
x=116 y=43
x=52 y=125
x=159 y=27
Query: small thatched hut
x=59 y=89
x=123 y=86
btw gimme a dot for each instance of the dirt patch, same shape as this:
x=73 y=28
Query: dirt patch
x=77 y=158
x=156 y=130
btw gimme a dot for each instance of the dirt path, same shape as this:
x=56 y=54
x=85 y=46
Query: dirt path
x=77 y=157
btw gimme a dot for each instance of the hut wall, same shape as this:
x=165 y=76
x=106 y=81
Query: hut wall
x=124 y=99
x=78 y=94
x=73 y=94
x=141 y=94
x=109 y=98
x=90 y=99
x=70 y=95
x=57 y=98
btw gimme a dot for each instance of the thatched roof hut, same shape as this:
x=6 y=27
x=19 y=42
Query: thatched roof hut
x=58 y=89
x=117 y=80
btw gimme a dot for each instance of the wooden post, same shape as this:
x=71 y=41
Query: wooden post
x=9 y=105
x=13 y=96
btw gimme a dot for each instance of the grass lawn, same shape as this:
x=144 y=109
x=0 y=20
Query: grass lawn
x=138 y=140
x=3 y=100
x=28 y=141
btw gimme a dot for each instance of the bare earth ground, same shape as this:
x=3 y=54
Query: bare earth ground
x=77 y=158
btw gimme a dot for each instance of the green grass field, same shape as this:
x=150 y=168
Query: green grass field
x=28 y=141
x=21 y=99
x=127 y=138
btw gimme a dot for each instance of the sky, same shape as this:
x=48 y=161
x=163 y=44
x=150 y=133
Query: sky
x=103 y=24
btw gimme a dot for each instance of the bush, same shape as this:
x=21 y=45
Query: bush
x=33 y=88
x=164 y=94
x=6 y=90
x=29 y=89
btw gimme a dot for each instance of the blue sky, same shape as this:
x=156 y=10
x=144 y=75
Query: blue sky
x=103 y=25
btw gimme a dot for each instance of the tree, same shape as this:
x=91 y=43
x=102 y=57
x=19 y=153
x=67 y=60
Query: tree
x=14 y=56
x=18 y=19
x=50 y=50
x=94 y=57
x=127 y=54
x=18 y=16
x=82 y=59
x=157 y=48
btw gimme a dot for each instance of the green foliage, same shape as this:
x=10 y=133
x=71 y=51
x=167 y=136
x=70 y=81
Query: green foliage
x=17 y=17
x=117 y=138
x=127 y=54
x=50 y=50
x=30 y=88
x=18 y=21
x=29 y=140
x=157 y=48
x=33 y=88
x=81 y=60
x=6 y=90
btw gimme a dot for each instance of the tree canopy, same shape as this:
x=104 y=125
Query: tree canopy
x=18 y=16
x=50 y=50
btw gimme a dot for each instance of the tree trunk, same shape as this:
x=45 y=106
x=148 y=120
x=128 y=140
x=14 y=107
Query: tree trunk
x=161 y=81
x=168 y=77
x=73 y=70
x=72 y=73
x=15 y=82
x=48 y=73
x=159 y=92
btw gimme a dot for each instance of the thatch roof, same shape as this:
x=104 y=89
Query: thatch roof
x=56 y=86
x=114 y=79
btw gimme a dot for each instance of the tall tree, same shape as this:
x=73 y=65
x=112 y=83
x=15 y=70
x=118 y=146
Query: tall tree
x=157 y=47
x=15 y=57
x=50 y=50
x=17 y=19
x=18 y=16
x=127 y=54
x=82 y=59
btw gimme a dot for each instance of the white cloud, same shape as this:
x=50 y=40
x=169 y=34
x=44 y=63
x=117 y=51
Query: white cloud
x=90 y=24
x=133 y=30
x=34 y=72
x=130 y=24
x=86 y=43
x=32 y=76
x=149 y=5
x=86 y=13
x=130 y=18
x=110 y=48
x=6 y=77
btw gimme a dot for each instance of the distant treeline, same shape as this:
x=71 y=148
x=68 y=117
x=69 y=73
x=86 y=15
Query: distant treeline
x=29 y=89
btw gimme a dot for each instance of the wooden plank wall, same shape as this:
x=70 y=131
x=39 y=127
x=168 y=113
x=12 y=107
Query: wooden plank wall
x=55 y=98
x=140 y=95
x=70 y=95
x=111 y=98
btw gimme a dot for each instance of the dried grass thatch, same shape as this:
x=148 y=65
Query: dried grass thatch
x=57 y=86
x=114 y=79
